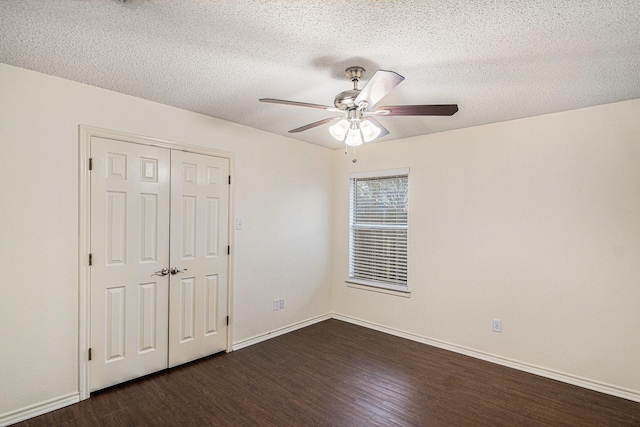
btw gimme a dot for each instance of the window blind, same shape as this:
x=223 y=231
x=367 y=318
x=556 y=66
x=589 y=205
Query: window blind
x=378 y=230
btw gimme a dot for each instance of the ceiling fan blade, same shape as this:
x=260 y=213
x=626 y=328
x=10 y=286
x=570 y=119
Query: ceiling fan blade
x=383 y=130
x=378 y=87
x=314 y=124
x=300 y=104
x=417 y=110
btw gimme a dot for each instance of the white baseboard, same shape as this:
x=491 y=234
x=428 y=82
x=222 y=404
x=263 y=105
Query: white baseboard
x=280 y=331
x=521 y=366
x=38 y=409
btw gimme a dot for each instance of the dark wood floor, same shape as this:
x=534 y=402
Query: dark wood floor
x=337 y=374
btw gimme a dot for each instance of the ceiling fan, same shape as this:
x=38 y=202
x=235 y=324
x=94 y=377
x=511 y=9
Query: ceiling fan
x=359 y=106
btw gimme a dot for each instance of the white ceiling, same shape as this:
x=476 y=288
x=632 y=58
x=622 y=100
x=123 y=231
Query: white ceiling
x=498 y=60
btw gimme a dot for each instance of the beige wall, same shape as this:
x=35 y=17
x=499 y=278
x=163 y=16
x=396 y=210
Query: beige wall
x=534 y=221
x=282 y=192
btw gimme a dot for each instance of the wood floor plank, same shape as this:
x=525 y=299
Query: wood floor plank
x=338 y=374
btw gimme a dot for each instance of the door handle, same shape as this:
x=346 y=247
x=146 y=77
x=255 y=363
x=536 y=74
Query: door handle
x=176 y=270
x=162 y=272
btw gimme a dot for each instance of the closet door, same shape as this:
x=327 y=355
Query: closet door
x=198 y=253
x=130 y=248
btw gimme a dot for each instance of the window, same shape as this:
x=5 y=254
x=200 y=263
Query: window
x=378 y=229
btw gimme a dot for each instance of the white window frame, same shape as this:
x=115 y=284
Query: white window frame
x=359 y=282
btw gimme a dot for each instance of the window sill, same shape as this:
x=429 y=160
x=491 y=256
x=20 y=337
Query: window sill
x=378 y=288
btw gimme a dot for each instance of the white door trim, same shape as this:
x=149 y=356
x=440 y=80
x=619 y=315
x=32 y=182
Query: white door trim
x=84 y=234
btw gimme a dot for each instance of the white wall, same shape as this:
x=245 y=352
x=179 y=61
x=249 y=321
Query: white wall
x=534 y=221
x=281 y=190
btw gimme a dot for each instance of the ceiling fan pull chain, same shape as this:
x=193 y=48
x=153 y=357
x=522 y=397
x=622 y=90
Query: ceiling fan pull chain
x=344 y=141
x=354 y=147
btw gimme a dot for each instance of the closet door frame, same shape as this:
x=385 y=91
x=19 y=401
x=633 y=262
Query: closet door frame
x=86 y=133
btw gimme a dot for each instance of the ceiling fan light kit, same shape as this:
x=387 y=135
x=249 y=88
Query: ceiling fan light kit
x=354 y=132
x=354 y=129
x=356 y=125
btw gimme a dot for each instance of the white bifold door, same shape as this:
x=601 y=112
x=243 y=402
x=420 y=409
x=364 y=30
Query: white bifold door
x=159 y=244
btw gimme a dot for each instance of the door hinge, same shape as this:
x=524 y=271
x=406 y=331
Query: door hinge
x=227 y=320
x=89 y=353
x=229 y=179
x=228 y=250
x=90 y=259
x=90 y=164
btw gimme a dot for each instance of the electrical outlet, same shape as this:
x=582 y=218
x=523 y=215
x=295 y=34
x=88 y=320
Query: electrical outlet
x=276 y=304
x=496 y=325
x=281 y=303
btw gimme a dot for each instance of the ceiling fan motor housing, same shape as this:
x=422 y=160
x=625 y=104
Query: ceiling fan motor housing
x=346 y=100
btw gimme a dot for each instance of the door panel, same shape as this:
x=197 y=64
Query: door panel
x=199 y=239
x=129 y=242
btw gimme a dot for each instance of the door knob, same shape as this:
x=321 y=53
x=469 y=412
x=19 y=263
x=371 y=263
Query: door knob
x=162 y=272
x=176 y=270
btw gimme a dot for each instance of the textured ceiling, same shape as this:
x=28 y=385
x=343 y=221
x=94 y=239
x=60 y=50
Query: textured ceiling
x=498 y=60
